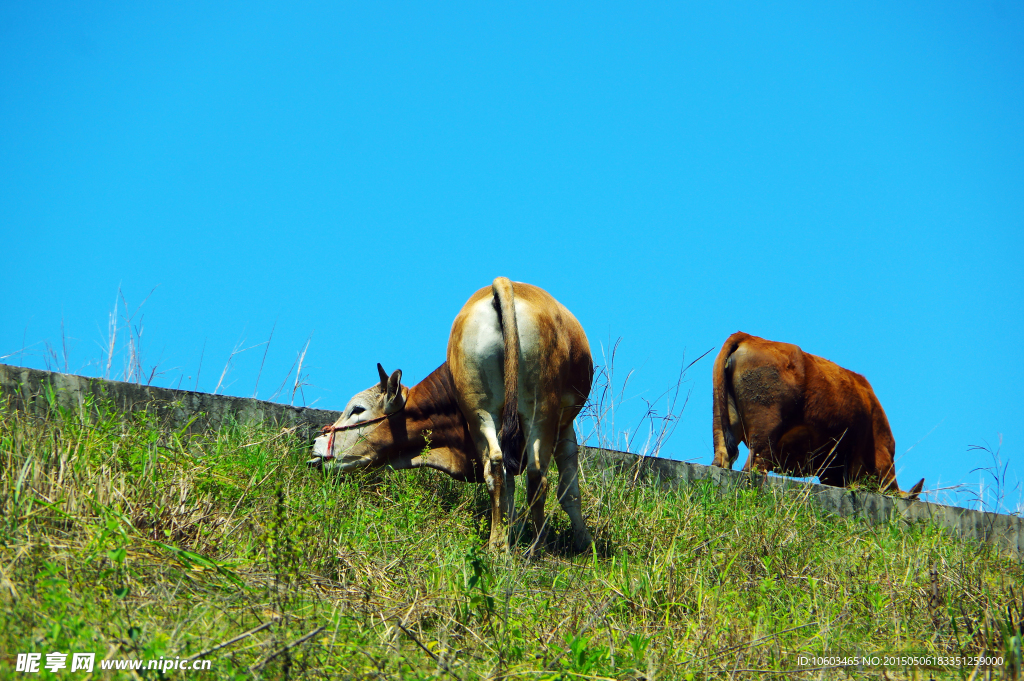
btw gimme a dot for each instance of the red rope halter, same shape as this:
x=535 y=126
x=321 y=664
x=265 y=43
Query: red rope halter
x=332 y=429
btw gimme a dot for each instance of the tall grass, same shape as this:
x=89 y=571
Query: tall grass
x=126 y=539
x=122 y=357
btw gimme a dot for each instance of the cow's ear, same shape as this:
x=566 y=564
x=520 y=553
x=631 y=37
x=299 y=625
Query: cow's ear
x=383 y=378
x=394 y=397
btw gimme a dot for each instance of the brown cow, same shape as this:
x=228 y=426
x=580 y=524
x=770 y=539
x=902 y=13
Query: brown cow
x=799 y=414
x=518 y=372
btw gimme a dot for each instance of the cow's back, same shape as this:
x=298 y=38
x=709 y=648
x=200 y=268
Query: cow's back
x=854 y=414
x=836 y=397
x=554 y=347
x=554 y=353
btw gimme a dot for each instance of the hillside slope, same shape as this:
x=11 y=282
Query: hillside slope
x=126 y=540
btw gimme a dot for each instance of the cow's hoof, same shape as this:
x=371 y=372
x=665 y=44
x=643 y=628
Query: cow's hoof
x=498 y=544
x=536 y=547
x=582 y=544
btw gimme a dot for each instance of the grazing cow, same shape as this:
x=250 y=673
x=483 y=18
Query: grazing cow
x=518 y=372
x=799 y=414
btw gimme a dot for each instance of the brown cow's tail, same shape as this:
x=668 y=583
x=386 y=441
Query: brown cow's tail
x=510 y=438
x=726 y=447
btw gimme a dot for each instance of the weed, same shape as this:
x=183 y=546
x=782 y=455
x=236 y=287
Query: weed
x=996 y=471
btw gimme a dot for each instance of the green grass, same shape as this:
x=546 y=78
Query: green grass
x=124 y=539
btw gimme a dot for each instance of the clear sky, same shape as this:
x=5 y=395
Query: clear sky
x=846 y=177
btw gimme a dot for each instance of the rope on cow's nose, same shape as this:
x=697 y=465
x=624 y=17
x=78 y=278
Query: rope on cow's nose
x=336 y=429
x=330 y=430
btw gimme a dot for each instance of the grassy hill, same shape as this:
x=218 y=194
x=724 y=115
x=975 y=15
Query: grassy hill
x=123 y=539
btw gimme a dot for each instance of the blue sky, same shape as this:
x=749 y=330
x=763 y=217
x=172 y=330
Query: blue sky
x=846 y=178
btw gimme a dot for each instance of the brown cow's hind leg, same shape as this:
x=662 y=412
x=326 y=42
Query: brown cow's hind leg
x=761 y=432
x=763 y=451
x=796 y=451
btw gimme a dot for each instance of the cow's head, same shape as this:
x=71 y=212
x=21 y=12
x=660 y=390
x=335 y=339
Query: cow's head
x=348 y=449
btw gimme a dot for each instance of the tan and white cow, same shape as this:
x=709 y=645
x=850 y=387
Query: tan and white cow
x=518 y=372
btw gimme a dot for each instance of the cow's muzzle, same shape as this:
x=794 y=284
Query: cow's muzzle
x=325 y=459
x=338 y=464
x=320 y=453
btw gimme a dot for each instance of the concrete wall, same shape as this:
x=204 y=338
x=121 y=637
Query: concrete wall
x=1006 y=531
x=28 y=389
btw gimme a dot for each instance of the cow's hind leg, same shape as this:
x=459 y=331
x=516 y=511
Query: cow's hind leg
x=567 y=460
x=537 y=492
x=500 y=485
x=763 y=431
x=538 y=456
x=796 y=451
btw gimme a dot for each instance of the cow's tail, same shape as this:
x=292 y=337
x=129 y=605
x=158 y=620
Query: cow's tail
x=726 y=447
x=511 y=436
